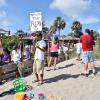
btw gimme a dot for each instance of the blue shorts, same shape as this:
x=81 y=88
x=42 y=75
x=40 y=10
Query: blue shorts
x=87 y=56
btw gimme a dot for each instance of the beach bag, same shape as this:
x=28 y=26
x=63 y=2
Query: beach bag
x=19 y=95
x=20 y=85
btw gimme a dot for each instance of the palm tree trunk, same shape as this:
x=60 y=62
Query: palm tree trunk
x=61 y=46
x=59 y=33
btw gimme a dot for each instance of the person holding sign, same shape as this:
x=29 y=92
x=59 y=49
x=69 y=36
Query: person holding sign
x=38 y=66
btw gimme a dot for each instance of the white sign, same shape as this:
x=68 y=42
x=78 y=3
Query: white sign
x=35 y=21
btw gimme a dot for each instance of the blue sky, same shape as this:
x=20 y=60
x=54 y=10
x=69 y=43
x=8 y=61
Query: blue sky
x=14 y=14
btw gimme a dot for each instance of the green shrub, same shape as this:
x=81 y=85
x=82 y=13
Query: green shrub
x=97 y=52
x=10 y=41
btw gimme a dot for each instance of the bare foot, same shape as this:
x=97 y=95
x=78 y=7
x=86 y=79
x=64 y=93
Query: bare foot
x=40 y=83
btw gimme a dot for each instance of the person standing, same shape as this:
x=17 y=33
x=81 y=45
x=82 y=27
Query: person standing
x=53 y=53
x=78 y=50
x=88 y=53
x=38 y=66
x=65 y=50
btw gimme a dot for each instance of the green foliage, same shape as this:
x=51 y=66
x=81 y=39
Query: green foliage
x=19 y=32
x=98 y=40
x=10 y=41
x=45 y=30
x=72 y=34
x=53 y=29
x=59 y=23
x=97 y=52
x=77 y=28
x=94 y=34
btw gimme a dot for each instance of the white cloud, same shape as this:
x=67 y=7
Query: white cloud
x=2 y=13
x=4 y=21
x=2 y=3
x=89 y=20
x=72 y=8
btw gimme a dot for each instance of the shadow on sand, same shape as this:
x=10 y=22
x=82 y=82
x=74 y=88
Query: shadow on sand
x=61 y=77
x=66 y=66
x=9 y=92
x=98 y=69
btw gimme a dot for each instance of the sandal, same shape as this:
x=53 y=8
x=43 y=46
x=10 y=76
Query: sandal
x=35 y=81
x=48 y=69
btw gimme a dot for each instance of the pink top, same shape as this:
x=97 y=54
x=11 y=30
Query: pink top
x=54 y=47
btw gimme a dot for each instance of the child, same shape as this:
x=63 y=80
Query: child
x=6 y=57
x=27 y=53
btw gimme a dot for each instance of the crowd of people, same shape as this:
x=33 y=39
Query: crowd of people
x=15 y=55
x=84 y=47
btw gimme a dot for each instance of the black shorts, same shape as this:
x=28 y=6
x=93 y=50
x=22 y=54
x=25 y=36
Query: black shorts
x=54 y=54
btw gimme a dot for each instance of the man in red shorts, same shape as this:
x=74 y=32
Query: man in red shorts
x=88 y=54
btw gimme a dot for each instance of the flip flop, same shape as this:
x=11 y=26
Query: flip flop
x=35 y=81
x=48 y=69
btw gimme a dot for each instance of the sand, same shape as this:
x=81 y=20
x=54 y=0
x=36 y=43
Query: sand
x=65 y=82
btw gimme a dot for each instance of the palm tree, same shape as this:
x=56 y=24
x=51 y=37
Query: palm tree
x=45 y=30
x=94 y=34
x=9 y=32
x=77 y=28
x=53 y=29
x=59 y=23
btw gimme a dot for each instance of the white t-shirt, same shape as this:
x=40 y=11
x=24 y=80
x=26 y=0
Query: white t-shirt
x=19 y=53
x=65 y=49
x=15 y=56
x=78 y=48
x=39 y=54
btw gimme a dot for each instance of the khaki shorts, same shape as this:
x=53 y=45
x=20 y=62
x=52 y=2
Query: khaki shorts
x=38 y=67
x=20 y=66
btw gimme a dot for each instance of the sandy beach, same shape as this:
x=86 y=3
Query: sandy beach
x=65 y=82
